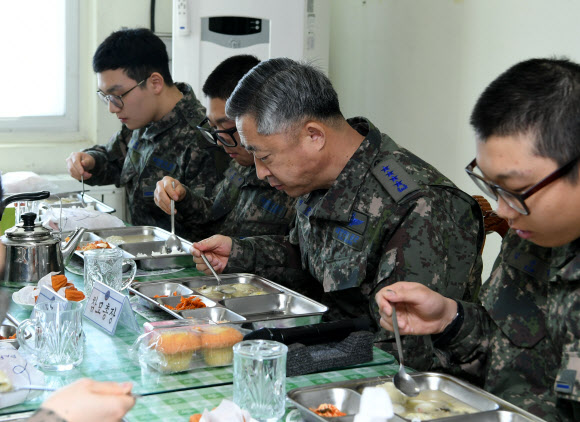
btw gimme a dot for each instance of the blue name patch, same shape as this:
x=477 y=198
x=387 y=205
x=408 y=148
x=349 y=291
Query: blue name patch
x=348 y=237
x=134 y=144
x=303 y=207
x=163 y=164
x=272 y=206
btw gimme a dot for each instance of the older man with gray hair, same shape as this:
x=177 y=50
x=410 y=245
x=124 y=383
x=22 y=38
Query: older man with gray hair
x=369 y=212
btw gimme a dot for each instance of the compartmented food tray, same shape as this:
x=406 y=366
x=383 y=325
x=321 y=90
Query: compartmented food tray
x=73 y=200
x=441 y=395
x=254 y=300
x=143 y=244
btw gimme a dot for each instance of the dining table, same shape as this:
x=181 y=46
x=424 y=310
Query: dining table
x=167 y=397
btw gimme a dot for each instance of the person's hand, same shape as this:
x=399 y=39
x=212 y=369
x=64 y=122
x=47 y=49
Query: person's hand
x=216 y=249
x=86 y=401
x=420 y=310
x=80 y=163
x=164 y=192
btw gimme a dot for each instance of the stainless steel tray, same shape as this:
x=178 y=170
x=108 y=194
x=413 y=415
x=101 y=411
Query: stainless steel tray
x=346 y=396
x=143 y=240
x=279 y=307
x=73 y=200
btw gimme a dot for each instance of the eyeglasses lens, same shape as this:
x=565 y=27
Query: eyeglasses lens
x=208 y=135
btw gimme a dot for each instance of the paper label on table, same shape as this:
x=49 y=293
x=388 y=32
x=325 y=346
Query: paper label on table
x=47 y=295
x=107 y=307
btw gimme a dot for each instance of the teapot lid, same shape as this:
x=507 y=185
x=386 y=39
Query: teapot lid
x=28 y=230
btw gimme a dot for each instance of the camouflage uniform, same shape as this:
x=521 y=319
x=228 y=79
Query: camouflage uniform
x=172 y=147
x=45 y=415
x=389 y=216
x=526 y=335
x=242 y=205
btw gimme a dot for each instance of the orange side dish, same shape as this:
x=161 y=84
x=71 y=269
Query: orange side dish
x=328 y=410
x=58 y=281
x=97 y=244
x=71 y=292
x=13 y=336
x=193 y=302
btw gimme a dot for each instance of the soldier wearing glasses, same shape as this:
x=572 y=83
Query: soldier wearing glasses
x=241 y=205
x=522 y=342
x=158 y=137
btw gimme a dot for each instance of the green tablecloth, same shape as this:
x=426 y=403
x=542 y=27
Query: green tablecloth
x=107 y=358
x=178 y=406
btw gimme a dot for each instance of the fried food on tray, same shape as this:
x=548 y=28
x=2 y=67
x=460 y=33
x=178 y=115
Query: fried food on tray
x=97 y=244
x=192 y=302
x=328 y=410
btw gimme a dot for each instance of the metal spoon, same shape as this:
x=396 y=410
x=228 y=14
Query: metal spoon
x=219 y=280
x=173 y=244
x=402 y=380
x=83 y=191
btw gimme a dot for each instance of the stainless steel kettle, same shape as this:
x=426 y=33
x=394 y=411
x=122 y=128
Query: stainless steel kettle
x=32 y=251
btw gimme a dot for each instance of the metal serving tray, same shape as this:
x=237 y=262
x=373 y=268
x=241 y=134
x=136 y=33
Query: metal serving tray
x=279 y=307
x=346 y=396
x=73 y=200
x=145 y=240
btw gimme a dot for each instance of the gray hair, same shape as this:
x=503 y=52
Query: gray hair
x=282 y=93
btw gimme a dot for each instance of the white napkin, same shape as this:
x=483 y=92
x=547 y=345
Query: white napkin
x=21 y=373
x=79 y=217
x=27 y=294
x=227 y=411
x=375 y=406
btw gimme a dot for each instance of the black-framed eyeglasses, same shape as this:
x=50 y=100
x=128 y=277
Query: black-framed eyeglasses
x=117 y=100
x=513 y=199
x=213 y=135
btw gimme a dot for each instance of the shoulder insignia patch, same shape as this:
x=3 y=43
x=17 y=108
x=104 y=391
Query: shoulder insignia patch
x=529 y=264
x=394 y=179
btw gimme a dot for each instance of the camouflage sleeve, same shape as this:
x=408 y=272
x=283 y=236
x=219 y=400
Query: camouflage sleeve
x=432 y=245
x=205 y=167
x=194 y=209
x=469 y=349
x=109 y=159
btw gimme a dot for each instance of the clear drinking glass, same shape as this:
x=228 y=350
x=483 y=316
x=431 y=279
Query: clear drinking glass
x=54 y=335
x=106 y=266
x=260 y=378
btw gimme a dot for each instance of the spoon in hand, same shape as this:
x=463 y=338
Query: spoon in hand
x=206 y=262
x=173 y=244
x=403 y=381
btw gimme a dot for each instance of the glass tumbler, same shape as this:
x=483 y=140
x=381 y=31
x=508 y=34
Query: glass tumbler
x=54 y=335
x=260 y=378
x=106 y=266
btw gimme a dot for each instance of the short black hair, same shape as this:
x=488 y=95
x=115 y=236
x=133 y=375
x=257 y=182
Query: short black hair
x=139 y=52
x=223 y=79
x=540 y=97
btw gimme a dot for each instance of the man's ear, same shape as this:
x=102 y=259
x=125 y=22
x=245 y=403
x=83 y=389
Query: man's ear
x=156 y=82
x=316 y=134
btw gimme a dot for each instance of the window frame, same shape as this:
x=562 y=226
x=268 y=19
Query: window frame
x=69 y=121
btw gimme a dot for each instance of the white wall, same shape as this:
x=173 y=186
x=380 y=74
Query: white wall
x=416 y=67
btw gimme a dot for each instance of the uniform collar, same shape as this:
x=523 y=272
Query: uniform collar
x=566 y=261
x=337 y=202
x=187 y=108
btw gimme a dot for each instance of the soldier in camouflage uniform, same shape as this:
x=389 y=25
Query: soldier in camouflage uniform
x=369 y=212
x=242 y=205
x=159 y=135
x=522 y=342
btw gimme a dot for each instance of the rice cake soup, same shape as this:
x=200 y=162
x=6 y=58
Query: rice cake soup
x=429 y=404
x=228 y=291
